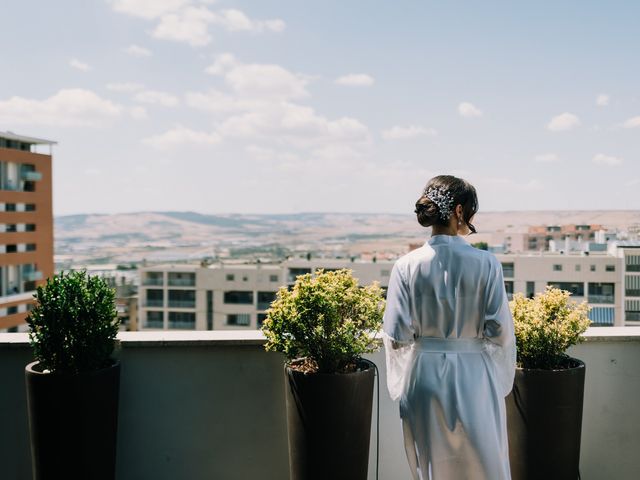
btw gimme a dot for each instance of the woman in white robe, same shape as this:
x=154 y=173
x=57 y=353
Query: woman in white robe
x=450 y=344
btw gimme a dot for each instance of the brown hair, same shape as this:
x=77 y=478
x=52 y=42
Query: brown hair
x=463 y=193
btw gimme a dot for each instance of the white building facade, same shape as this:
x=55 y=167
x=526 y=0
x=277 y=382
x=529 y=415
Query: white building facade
x=236 y=296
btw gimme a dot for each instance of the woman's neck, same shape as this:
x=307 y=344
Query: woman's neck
x=440 y=230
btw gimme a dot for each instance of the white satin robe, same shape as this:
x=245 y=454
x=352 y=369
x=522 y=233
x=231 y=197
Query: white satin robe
x=451 y=399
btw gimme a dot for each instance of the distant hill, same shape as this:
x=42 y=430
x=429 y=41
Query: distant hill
x=168 y=236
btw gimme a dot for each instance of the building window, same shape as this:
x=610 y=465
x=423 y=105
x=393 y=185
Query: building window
x=10 y=227
x=531 y=289
x=11 y=248
x=12 y=310
x=610 y=268
x=574 y=288
x=230 y=277
x=155 y=320
x=30 y=207
x=209 y=310
x=632 y=286
x=632 y=310
x=557 y=267
x=602 y=316
x=182 y=279
x=578 y=267
x=632 y=263
x=507 y=270
x=9 y=207
x=508 y=286
x=592 y=268
x=239 y=319
x=261 y=318
x=601 y=293
x=294 y=272
x=182 y=299
x=245 y=278
x=31 y=247
x=30 y=227
x=273 y=278
x=153 y=278
x=265 y=299
x=239 y=297
x=182 y=320
x=155 y=297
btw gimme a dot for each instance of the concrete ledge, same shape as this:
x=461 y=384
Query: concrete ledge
x=203 y=338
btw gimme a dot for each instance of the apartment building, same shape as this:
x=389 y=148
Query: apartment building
x=219 y=297
x=228 y=296
x=26 y=225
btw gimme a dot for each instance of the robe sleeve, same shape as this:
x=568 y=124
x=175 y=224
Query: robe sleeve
x=398 y=334
x=498 y=329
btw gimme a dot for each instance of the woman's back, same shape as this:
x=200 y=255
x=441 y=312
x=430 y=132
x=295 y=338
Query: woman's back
x=447 y=280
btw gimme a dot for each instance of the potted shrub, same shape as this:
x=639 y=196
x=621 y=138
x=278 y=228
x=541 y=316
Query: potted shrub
x=73 y=386
x=544 y=409
x=323 y=325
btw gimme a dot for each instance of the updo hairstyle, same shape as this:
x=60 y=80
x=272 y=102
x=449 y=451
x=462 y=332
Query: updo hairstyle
x=463 y=193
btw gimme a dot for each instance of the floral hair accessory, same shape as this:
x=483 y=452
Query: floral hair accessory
x=442 y=198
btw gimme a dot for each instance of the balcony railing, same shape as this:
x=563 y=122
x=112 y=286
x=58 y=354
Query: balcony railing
x=32 y=176
x=154 y=303
x=181 y=325
x=151 y=281
x=33 y=276
x=182 y=282
x=601 y=299
x=182 y=303
x=154 y=324
x=211 y=405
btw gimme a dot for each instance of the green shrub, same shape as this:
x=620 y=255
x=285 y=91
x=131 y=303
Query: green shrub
x=74 y=323
x=546 y=326
x=326 y=319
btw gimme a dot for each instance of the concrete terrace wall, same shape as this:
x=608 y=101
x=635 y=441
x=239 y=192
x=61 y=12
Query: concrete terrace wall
x=204 y=405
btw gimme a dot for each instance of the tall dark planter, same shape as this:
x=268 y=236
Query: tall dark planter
x=329 y=424
x=73 y=421
x=544 y=418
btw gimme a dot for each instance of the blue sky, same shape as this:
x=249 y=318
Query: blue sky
x=347 y=106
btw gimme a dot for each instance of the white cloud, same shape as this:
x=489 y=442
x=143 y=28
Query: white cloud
x=189 y=26
x=68 y=107
x=602 y=100
x=138 y=113
x=215 y=101
x=259 y=80
x=633 y=122
x=179 y=136
x=602 y=159
x=78 y=65
x=184 y=21
x=294 y=125
x=469 y=110
x=126 y=87
x=148 y=9
x=157 y=98
x=563 y=122
x=633 y=182
x=137 y=51
x=355 y=80
x=547 y=158
x=411 y=131
x=235 y=21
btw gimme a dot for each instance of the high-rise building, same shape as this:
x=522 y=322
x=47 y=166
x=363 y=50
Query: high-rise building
x=26 y=225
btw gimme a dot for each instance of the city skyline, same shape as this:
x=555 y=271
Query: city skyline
x=279 y=107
